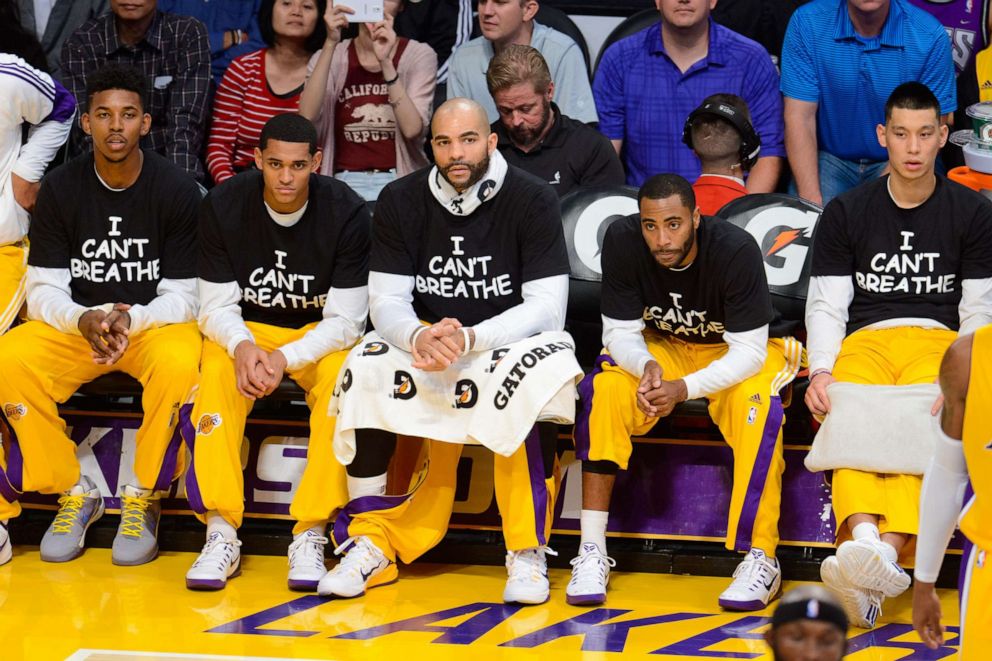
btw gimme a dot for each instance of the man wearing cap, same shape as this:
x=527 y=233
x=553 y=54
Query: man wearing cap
x=808 y=625
x=720 y=133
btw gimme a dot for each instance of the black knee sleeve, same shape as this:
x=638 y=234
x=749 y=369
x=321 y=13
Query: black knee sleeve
x=373 y=450
x=602 y=467
x=548 y=433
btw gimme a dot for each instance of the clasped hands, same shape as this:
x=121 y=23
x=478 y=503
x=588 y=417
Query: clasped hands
x=106 y=332
x=258 y=372
x=656 y=397
x=438 y=346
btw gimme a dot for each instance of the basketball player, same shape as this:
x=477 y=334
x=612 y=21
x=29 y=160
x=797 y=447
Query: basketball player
x=474 y=248
x=901 y=266
x=32 y=100
x=809 y=624
x=963 y=453
x=283 y=281
x=698 y=286
x=110 y=287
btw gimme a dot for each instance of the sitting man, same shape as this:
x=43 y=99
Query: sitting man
x=901 y=266
x=283 y=290
x=534 y=136
x=33 y=100
x=962 y=457
x=700 y=284
x=506 y=22
x=474 y=248
x=110 y=287
x=720 y=133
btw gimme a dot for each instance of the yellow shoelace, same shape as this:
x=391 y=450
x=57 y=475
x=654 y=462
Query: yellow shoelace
x=133 y=515
x=69 y=507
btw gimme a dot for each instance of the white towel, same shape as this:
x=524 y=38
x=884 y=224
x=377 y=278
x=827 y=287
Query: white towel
x=491 y=398
x=879 y=429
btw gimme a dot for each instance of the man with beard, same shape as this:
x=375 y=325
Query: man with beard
x=700 y=285
x=468 y=284
x=533 y=134
x=719 y=132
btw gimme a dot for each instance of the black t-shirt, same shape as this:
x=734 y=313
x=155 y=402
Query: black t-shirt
x=905 y=262
x=117 y=245
x=468 y=267
x=571 y=155
x=284 y=272
x=724 y=289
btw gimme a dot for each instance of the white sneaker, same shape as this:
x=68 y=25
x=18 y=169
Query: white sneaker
x=306 y=561
x=590 y=576
x=219 y=560
x=527 y=576
x=863 y=607
x=6 y=550
x=865 y=565
x=757 y=580
x=364 y=566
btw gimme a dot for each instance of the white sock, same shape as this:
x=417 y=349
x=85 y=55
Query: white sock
x=217 y=523
x=317 y=530
x=593 y=524
x=366 y=486
x=866 y=531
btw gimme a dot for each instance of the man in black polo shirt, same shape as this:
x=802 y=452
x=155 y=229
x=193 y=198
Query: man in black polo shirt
x=686 y=314
x=534 y=136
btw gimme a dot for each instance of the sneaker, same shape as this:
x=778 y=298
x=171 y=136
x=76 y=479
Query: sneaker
x=527 y=576
x=79 y=508
x=757 y=580
x=364 y=566
x=864 y=564
x=6 y=551
x=219 y=560
x=306 y=561
x=863 y=607
x=590 y=576
x=137 y=536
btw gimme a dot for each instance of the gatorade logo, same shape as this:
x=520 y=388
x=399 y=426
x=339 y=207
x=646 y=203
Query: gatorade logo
x=466 y=394
x=375 y=349
x=208 y=422
x=405 y=387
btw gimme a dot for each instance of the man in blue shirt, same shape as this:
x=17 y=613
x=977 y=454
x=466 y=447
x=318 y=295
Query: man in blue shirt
x=231 y=24
x=647 y=84
x=840 y=62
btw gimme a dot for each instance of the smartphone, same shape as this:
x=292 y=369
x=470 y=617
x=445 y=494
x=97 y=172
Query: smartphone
x=366 y=11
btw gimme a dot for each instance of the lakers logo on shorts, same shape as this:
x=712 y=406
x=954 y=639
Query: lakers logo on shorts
x=208 y=422
x=375 y=349
x=466 y=394
x=405 y=387
x=15 y=411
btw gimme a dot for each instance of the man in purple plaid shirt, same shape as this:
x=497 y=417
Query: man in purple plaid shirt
x=171 y=51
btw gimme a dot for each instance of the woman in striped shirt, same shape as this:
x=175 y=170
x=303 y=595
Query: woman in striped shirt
x=264 y=83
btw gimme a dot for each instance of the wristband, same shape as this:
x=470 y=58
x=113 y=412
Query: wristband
x=822 y=370
x=416 y=334
x=468 y=339
x=393 y=81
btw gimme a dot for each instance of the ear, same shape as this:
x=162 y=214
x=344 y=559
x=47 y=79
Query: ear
x=258 y=158
x=317 y=158
x=880 y=134
x=696 y=217
x=84 y=121
x=550 y=94
x=491 y=142
x=146 y=124
x=530 y=9
x=944 y=132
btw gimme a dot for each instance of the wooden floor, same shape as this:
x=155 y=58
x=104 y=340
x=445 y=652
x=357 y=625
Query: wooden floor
x=89 y=609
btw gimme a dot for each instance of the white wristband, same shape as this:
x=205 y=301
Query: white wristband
x=416 y=334
x=468 y=339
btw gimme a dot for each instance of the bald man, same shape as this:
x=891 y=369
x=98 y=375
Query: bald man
x=468 y=266
x=809 y=624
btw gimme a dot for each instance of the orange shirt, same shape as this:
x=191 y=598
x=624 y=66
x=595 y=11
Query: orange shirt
x=713 y=191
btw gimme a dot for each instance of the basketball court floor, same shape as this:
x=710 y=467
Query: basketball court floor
x=89 y=609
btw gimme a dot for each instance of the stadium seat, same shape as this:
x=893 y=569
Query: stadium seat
x=557 y=19
x=635 y=23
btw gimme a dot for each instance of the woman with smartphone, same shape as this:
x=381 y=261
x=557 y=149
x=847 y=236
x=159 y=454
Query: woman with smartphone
x=370 y=97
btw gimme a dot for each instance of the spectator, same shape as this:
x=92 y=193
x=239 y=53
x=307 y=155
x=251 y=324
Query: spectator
x=232 y=26
x=808 y=625
x=974 y=84
x=505 y=22
x=840 y=62
x=962 y=20
x=264 y=83
x=647 y=84
x=173 y=54
x=444 y=25
x=720 y=133
x=17 y=40
x=535 y=136
x=370 y=98
x=52 y=21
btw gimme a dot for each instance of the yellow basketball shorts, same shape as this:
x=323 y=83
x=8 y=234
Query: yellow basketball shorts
x=215 y=481
x=750 y=417
x=13 y=266
x=41 y=367
x=976 y=604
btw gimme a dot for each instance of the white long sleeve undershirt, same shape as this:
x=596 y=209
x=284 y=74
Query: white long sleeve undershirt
x=49 y=300
x=746 y=353
x=943 y=488
x=828 y=303
x=542 y=309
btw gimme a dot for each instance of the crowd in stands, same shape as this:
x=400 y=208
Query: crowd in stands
x=246 y=102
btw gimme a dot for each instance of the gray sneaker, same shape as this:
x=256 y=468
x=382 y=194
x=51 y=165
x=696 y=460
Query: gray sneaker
x=6 y=553
x=137 y=536
x=79 y=508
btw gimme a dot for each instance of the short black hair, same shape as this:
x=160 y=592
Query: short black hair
x=661 y=186
x=116 y=77
x=313 y=43
x=289 y=127
x=912 y=96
